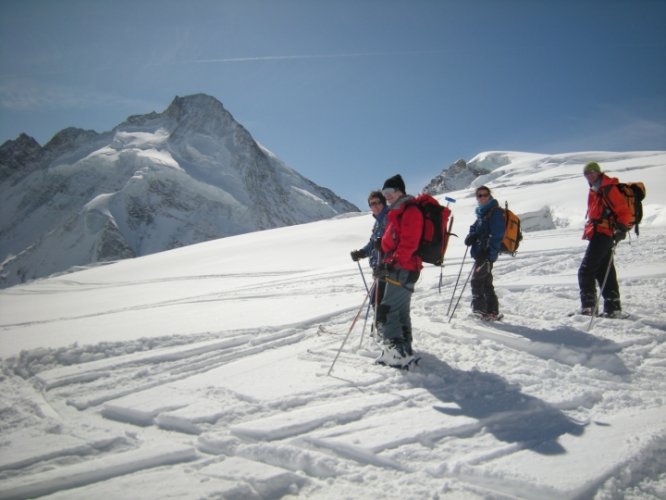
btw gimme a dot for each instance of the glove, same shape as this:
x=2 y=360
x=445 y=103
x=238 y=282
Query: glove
x=470 y=239
x=356 y=255
x=619 y=234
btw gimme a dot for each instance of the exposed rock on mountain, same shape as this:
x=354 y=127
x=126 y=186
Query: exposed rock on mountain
x=155 y=182
x=18 y=155
x=457 y=176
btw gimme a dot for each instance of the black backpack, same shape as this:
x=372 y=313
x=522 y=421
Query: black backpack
x=436 y=229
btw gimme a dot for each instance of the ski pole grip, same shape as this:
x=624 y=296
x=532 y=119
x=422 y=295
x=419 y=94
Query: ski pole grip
x=450 y=200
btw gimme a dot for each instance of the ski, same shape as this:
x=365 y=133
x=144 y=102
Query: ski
x=486 y=318
x=616 y=315
x=406 y=367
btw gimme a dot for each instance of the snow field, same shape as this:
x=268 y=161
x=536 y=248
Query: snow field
x=203 y=373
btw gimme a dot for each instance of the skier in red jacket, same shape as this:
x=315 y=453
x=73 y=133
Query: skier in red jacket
x=402 y=266
x=608 y=219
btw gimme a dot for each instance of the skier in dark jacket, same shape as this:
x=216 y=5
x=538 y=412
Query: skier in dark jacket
x=377 y=204
x=485 y=238
x=608 y=218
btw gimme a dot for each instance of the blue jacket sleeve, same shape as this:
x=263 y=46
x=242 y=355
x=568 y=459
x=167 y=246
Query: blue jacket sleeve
x=370 y=248
x=475 y=246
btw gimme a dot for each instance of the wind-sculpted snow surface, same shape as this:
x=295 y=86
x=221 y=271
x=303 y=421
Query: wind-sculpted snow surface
x=205 y=372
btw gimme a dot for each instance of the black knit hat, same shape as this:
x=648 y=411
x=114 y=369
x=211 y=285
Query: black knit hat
x=395 y=182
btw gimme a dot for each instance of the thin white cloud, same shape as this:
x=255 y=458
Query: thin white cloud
x=22 y=95
x=630 y=134
x=638 y=134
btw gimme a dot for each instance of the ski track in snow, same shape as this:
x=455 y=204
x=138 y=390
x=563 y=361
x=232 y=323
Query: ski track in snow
x=527 y=389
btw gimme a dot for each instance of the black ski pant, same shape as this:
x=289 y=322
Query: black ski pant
x=484 y=299
x=593 y=269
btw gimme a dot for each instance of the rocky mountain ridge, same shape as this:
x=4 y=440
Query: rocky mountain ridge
x=461 y=174
x=155 y=182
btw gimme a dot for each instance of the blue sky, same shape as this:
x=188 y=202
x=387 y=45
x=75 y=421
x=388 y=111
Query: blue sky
x=349 y=92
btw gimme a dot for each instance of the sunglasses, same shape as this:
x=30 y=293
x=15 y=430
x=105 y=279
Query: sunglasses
x=483 y=195
x=388 y=191
x=374 y=203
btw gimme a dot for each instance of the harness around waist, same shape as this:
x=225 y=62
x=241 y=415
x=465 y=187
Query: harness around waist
x=393 y=282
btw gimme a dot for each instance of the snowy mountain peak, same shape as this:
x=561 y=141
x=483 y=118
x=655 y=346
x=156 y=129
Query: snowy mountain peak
x=16 y=154
x=490 y=160
x=458 y=175
x=68 y=138
x=199 y=113
x=157 y=181
x=23 y=141
x=68 y=141
x=198 y=109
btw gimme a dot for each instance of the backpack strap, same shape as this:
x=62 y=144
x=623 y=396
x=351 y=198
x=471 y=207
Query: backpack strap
x=609 y=212
x=412 y=203
x=492 y=210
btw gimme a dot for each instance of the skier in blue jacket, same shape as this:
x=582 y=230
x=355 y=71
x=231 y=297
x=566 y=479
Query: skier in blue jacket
x=379 y=209
x=485 y=238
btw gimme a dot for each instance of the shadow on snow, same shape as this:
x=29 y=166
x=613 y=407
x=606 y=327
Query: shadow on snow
x=571 y=347
x=507 y=413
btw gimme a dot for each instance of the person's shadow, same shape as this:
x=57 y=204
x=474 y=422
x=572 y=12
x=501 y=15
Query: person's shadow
x=566 y=345
x=501 y=407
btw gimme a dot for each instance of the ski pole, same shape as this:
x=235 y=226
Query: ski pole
x=457 y=280
x=462 y=291
x=441 y=266
x=446 y=244
x=376 y=298
x=367 y=313
x=360 y=269
x=349 y=332
x=603 y=285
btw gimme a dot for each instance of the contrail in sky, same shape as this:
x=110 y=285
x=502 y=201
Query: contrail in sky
x=304 y=56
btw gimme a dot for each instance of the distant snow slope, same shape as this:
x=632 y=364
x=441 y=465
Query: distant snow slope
x=208 y=371
x=156 y=182
x=562 y=193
